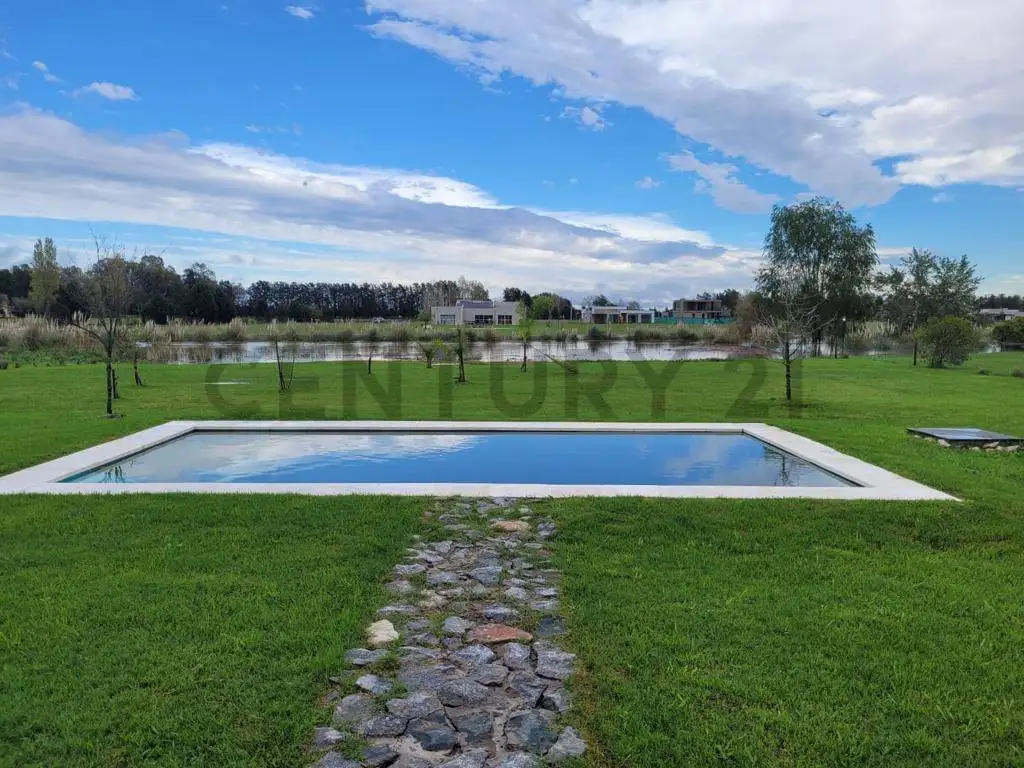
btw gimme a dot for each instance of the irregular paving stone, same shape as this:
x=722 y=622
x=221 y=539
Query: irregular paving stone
x=437 y=578
x=432 y=735
x=544 y=606
x=409 y=569
x=552 y=661
x=546 y=529
x=425 y=638
x=414 y=706
x=547 y=592
x=334 y=760
x=530 y=730
x=327 y=737
x=383 y=725
x=519 y=760
x=555 y=699
x=517 y=593
x=456 y=625
x=569 y=745
x=497 y=633
x=473 y=655
x=471 y=758
x=418 y=625
x=403 y=610
x=511 y=526
x=444 y=548
x=516 y=656
x=400 y=587
x=381 y=633
x=431 y=601
x=500 y=613
x=477 y=725
x=488 y=674
x=479 y=590
x=550 y=626
x=417 y=652
x=429 y=677
x=378 y=686
x=379 y=756
x=360 y=657
x=462 y=693
x=528 y=686
x=411 y=761
x=489 y=576
x=352 y=709
x=452 y=643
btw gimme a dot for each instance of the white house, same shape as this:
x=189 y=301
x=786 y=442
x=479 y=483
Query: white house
x=470 y=312
x=605 y=315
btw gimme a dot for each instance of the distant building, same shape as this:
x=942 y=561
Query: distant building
x=998 y=315
x=606 y=315
x=698 y=310
x=469 y=312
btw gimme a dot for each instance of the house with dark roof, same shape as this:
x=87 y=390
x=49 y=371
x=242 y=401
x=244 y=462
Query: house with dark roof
x=472 y=312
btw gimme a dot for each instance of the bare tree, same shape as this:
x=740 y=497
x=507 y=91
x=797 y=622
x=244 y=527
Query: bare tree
x=285 y=372
x=460 y=354
x=108 y=293
x=792 y=325
x=524 y=330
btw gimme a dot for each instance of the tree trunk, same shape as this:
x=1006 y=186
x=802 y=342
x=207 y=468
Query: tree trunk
x=110 y=388
x=369 y=364
x=117 y=392
x=523 y=366
x=788 y=360
x=915 y=353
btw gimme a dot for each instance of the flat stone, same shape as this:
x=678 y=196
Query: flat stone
x=500 y=613
x=531 y=730
x=374 y=684
x=519 y=760
x=353 y=709
x=488 y=576
x=456 y=625
x=511 y=526
x=552 y=661
x=419 y=652
x=411 y=761
x=471 y=758
x=444 y=548
x=555 y=699
x=418 y=625
x=437 y=578
x=323 y=738
x=432 y=601
x=383 y=725
x=547 y=592
x=544 y=606
x=452 y=643
x=488 y=674
x=550 y=626
x=516 y=656
x=335 y=760
x=381 y=633
x=497 y=633
x=546 y=529
x=415 y=706
x=517 y=593
x=400 y=587
x=426 y=677
x=432 y=735
x=398 y=610
x=473 y=655
x=360 y=657
x=462 y=693
x=477 y=725
x=569 y=745
x=410 y=569
x=379 y=756
x=528 y=686
x=425 y=638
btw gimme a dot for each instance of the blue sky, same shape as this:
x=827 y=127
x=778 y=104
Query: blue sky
x=625 y=146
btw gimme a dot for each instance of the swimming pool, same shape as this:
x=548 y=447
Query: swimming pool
x=469 y=459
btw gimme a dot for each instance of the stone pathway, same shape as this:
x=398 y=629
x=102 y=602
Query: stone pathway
x=463 y=670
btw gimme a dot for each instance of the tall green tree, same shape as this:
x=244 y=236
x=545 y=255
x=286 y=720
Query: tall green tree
x=45 y=276
x=925 y=286
x=816 y=255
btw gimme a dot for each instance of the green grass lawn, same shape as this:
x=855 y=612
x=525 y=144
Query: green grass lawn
x=199 y=630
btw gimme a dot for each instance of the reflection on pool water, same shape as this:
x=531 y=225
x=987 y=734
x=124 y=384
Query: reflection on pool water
x=550 y=458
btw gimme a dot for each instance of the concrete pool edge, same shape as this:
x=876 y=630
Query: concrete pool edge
x=874 y=483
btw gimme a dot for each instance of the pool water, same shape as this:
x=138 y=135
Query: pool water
x=550 y=458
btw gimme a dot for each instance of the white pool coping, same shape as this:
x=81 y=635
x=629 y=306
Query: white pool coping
x=872 y=482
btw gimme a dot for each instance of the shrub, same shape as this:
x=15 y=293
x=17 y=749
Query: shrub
x=1009 y=333
x=684 y=333
x=1018 y=373
x=596 y=334
x=399 y=332
x=984 y=372
x=235 y=331
x=947 y=341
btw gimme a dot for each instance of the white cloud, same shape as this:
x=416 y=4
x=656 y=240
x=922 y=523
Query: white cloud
x=719 y=180
x=10 y=82
x=302 y=219
x=303 y=12
x=110 y=91
x=942 y=197
x=48 y=76
x=589 y=118
x=647 y=183
x=818 y=92
x=39 y=65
